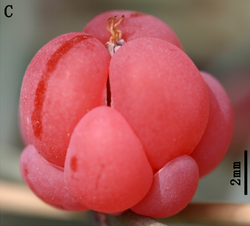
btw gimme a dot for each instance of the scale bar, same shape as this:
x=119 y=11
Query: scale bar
x=245 y=172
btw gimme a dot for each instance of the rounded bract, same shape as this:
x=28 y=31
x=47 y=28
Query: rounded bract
x=64 y=81
x=135 y=25
x=162 y=95
x=47 y=181
x=218 y=134
x=174 y=185
x=165 y=123
x=106 y=167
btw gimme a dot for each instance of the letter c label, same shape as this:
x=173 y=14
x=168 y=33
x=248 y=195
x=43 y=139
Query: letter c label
x=6 y=11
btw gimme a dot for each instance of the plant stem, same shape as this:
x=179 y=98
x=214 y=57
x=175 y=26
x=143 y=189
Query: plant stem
x=18 y=199
x=131 y=219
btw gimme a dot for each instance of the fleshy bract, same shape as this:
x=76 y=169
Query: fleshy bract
x=135 y=25
x=64 y=81
x=162 y=95
x=106 y=167
x=46 y=181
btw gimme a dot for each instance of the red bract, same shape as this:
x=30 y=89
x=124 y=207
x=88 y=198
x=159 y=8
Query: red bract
x=218 y=134
x=108 y=124
x=162 y=95
x=46 y=181
x=173 y=187
x=111 y=172
x=64 y=81
x=136 y=25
